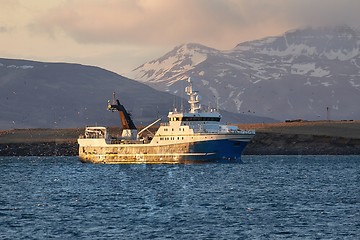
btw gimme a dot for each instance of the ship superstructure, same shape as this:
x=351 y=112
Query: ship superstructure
x=195 y=136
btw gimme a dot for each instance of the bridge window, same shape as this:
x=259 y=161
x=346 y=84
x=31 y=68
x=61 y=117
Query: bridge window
x=175 y=119
x=206 y=119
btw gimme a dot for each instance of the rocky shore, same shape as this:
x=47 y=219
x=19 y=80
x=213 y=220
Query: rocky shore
x=298 y=144
x=39 y=142
x=305 y=138
x=39 y=149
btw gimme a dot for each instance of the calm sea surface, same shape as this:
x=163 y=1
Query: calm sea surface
x=267 y=197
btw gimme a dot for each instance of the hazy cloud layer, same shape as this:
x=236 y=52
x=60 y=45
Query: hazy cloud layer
x=3 y=29
x=122 y=34
x=177 y=21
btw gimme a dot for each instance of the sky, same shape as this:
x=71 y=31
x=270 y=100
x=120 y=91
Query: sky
x=120 y=35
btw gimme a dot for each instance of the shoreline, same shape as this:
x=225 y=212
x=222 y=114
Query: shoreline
x=291 y=145
x=294 y=138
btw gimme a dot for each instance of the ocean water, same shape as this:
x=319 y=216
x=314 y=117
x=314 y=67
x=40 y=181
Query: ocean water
x=266 y=197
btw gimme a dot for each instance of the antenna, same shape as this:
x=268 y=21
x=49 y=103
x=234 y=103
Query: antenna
x=194 y=97
x=217 y=103
x=182 y=98
x=174 y=103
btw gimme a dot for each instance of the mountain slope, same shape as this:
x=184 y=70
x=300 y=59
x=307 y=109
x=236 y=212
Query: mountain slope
x=36 y=94
x=61 y=95
x=311 y=73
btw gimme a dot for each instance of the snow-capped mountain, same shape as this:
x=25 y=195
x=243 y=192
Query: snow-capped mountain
x=310 y=73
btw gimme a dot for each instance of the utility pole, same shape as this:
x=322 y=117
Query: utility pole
x=328 y=113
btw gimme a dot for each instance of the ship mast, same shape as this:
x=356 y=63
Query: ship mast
x=194 y=97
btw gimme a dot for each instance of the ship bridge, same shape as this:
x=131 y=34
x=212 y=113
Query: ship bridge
x=194 y=117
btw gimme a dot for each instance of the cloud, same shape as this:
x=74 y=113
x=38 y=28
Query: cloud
x=4 y=29
x=178 y=21
x=129 y=21
x=324 y=12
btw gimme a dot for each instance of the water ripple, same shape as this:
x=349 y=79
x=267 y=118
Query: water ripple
x=267 y=197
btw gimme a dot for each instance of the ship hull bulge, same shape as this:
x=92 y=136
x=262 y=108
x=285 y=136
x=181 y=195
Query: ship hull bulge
x=218 y=151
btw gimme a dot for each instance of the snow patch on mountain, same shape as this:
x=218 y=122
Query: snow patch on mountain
x=238 y=103
x=214 y=92
x=302 y=68
x=342 y=55
x=326 y=84
x=16 y=66
x=319 y=72
x=354 y=84
x=309 y=68
x=293 y=50
x=205 y=82
x=231 y=86
x=236 y=66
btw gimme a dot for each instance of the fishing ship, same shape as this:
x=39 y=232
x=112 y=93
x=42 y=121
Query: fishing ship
x=194 y=136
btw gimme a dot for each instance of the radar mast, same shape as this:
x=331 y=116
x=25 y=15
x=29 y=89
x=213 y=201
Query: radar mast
x=194 y=97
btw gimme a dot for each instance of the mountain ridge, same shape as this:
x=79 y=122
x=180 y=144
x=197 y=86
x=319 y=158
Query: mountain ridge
x=308 y=73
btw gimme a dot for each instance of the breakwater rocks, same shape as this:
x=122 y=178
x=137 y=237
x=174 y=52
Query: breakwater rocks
x=39 y=149
x=301 y=144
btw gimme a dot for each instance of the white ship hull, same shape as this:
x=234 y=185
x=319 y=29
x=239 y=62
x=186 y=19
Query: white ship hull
x=212 y=148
